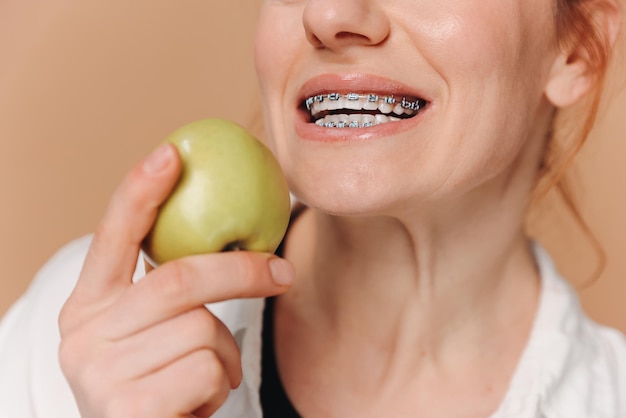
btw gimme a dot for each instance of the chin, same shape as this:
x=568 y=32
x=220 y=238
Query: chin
x=346 y=201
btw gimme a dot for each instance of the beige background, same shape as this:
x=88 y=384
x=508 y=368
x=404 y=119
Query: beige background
x=88 y=88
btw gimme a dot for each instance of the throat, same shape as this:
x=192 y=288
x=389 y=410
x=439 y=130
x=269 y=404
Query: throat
x=340 y=378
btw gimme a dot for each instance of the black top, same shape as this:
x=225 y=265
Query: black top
x=274 y=400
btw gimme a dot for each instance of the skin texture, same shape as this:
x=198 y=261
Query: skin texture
x=418 y=245
x=501 y=73
x=416 y=287
x=124 y=343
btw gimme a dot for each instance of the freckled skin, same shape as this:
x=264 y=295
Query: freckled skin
x=417 y=232
x=487 y=94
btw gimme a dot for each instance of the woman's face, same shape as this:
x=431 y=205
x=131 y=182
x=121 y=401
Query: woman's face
x=467 y=76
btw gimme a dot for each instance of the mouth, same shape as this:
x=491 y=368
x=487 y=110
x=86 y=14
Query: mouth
x=360 y=109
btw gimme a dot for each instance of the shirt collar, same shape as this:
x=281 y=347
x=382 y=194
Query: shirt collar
x=562 y=372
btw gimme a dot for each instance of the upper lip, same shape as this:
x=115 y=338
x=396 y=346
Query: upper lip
x=357 y=83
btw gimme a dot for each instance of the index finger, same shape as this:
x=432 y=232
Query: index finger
x=181 y=285
x=113 y=253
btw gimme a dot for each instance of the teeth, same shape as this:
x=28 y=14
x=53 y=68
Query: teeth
x=354 y=120
x=385 y=107
x=390 y=108
x=371 y=105
x=409 y=105
x=353 y=104
x=381 y=119
x=356 y=101
x=333 y=104
x=368 y=120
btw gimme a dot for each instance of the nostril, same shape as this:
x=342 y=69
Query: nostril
x=351 y=36
x=333 y=25
x=315 y=41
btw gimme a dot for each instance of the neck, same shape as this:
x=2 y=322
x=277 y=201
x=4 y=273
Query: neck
x=437 y=301
x=424 y=282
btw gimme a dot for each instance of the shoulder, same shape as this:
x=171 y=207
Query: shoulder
x=614 y=346
x=590 y=376
x=609 y=348
x=582 y=364
x=572 y=367
x=31 y=383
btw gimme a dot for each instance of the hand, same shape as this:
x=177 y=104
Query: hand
x=151 y=349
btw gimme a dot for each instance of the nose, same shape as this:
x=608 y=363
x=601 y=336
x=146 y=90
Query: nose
x=337 y=24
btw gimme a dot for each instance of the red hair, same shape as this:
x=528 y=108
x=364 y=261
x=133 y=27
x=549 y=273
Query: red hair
x=578 y=29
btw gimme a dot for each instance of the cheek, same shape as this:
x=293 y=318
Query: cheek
x=263 y=56
x=278 y=36
x=494 y=61
x=479 y=40
x=278 y=41
x=467 y=38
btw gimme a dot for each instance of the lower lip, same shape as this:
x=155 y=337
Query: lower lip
x=312 y=132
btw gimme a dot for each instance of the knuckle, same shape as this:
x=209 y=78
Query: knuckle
x=67 y=357
x=72 y=354
x=220 y=394
x=201 y=322
x=247 y=271
x=103 y=233
x=173 y=282
x=100 y=233
x=73 y=314
x=215 y=401
x=83 y=363
x=136 y=192
x=210 y=371
x=110 y=230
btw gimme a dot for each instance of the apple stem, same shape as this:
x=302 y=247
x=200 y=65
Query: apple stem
x=233 y=246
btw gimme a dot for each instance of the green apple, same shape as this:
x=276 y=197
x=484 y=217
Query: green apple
x=231 y=194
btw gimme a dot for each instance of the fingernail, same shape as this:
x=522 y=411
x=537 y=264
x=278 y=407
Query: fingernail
x=158 y=160
x=282 y=271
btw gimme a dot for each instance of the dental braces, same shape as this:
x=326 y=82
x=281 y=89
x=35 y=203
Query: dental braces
x=406 y=104
x=342 y=124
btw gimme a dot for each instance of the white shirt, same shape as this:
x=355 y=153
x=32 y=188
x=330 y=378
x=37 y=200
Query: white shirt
x=570 y=368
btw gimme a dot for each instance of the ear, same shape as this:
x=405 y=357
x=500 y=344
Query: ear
x=569 y=81
x=579 y=63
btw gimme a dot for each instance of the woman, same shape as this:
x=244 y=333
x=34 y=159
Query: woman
x=406 y=288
